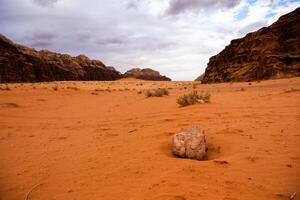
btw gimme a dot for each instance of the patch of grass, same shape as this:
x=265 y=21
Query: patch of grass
x=193 y=98
x=160 y=92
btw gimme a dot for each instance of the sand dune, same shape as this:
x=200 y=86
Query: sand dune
x=104 y=140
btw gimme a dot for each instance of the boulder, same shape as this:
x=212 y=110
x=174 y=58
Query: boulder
x=190 y=143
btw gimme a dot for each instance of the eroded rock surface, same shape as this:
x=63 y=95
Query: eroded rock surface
x=146 y=74
x=22 y=64
x=190 y=143
x=271 y=52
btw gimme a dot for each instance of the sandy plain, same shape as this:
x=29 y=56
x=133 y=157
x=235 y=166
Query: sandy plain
x=104 y=140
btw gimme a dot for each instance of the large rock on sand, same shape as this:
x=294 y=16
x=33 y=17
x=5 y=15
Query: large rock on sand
x=190 y=143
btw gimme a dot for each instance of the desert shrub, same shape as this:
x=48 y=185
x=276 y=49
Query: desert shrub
x=205 y=97
x=55 y=88
x=291 y=90
x=193 y=98
x=148 y=93
x=98 y=90
x=157 y=92
x=10 y=105
x=94 y=93
x=139 y=92
x=6 y=88
x=73 y=88
x=161 y=92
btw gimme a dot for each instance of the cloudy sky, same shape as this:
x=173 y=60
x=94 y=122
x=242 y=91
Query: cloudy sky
x=175 y=37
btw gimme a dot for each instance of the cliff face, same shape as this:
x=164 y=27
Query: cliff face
x=271 y=52
x=22 y=64
x=146 y=74
x=199 y=78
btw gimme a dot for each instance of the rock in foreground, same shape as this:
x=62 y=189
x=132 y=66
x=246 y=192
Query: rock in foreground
x=271 y=52
x=190 y=143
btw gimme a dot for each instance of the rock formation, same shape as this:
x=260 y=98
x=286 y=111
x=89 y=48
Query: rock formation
x=200 y=78
x=22 y=64
x=271 y=52
x=190 y=143
x=146 y=74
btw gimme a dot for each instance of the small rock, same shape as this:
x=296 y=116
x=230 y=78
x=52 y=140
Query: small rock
x=190 y=143
x=201 y=101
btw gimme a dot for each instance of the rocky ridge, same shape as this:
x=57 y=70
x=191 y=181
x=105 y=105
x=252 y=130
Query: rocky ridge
x=271 y=52
x=146 y=74
x=22 y=64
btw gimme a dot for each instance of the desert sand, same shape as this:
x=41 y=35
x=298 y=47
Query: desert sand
x=104 y=140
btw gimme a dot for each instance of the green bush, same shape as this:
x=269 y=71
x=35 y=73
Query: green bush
x=193 y=98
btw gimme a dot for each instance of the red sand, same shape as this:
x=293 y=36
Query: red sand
x=116 y=144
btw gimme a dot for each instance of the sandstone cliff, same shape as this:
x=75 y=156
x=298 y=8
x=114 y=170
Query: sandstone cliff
x=22 y=64
x=271 y=52
x=146 y=74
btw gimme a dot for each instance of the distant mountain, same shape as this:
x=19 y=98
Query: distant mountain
x=271 y=52
x=22 y=64
x=146 y=74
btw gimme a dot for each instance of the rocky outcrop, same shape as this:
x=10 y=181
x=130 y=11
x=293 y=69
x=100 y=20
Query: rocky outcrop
x=271 y=52
x=22 y=64
x=145 y=74
x=200 y=78
x=190 y=143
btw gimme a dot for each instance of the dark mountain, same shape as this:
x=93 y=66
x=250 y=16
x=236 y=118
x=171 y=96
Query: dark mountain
x=22 y=64
x=271 y=52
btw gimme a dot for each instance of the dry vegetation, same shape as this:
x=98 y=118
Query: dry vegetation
x=5 y=88
x=160 y=92
x=193 y=98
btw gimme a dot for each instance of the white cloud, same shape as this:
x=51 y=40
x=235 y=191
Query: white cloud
x=142 y=33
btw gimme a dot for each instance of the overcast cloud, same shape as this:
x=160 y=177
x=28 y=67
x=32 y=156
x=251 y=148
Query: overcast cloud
x=175 y=37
